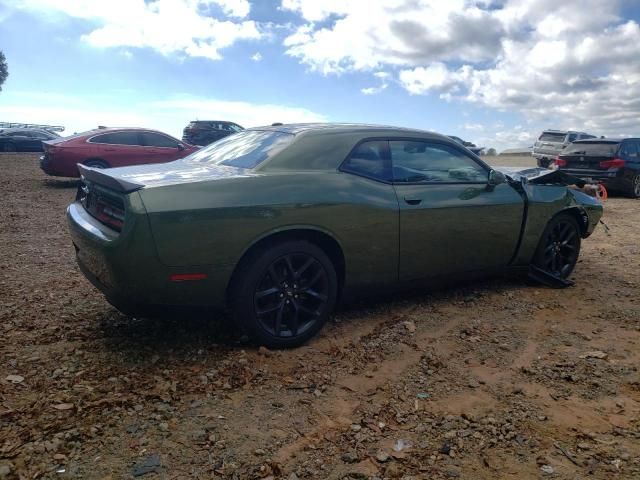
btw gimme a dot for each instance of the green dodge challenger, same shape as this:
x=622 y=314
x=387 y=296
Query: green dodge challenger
x=278 y=223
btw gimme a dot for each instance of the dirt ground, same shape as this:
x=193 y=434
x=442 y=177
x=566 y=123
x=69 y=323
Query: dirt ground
x=496 y=379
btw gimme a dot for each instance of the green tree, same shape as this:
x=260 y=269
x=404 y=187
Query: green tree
x=4 y=70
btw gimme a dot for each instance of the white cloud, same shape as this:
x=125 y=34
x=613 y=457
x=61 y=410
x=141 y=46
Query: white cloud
x=170 y=115
x=168 y=26
x=474 y=127
x=234 y=8
x=560 y=64
x=365 y=35
x=383 y=77
x=256 y=57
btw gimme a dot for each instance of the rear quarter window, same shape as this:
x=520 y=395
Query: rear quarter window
x=552 y=137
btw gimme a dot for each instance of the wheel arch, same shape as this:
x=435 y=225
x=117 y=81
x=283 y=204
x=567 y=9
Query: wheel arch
x=315 y=235
x=580 y=215
x=96 y=159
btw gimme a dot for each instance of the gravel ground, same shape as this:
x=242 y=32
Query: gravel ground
x=496 y=379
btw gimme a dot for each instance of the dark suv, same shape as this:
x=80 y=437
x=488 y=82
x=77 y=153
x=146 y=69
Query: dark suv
x=613 y=162
x=204 y=132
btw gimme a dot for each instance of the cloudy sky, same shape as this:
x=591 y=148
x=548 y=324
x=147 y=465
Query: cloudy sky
x=492 y=71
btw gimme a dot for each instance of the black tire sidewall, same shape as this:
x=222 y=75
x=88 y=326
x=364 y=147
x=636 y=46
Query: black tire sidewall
x=96 y=164
x=538 y=258
x=632 y=192
x=254 y=268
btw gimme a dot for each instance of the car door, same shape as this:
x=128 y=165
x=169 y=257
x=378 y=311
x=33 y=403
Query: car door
x=161 y=148
x=630 y=153
x=22 y=140
x=119 y=149
x=451 y=220
x=37 y=139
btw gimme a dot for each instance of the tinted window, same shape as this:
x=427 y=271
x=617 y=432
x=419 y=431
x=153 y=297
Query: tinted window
x=592 y=148
x=368 y=160
x=41 y=135
x=630 y=150
x=118 y=138
x=552 y=137
x=244 y=150
x=572 y=137
x=416 y=161
x=157 y=140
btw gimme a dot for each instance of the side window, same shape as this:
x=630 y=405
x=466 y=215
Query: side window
x=369 y=160
x=571 y=137
x=106 y=138
x=631 y=150
x=417 y=161
x=125 y=138
x=157 y=140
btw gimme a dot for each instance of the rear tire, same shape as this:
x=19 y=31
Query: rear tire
x=96 y=164
x=9 y=147
x=559 y=246
x=634 y=189
x=283 y=295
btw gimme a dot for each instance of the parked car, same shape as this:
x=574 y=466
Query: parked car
x=278 y=223
x=469 y=145
x=24 y=139
x=552 y=142
x=204 y=132
x=110 y=147
x=613 y=162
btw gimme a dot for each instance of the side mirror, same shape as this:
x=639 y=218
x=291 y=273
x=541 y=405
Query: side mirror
x=180 y=146
x=495 y=178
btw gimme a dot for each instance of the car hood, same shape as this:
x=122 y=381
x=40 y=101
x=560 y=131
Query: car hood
x=540 y=176
x=129 y=179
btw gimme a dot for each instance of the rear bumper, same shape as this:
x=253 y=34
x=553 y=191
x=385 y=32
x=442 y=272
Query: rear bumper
x=611 y=178
x=126 y=269
x=50 y=168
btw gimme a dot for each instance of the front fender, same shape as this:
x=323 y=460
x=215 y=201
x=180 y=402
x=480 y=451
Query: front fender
x=545 y=202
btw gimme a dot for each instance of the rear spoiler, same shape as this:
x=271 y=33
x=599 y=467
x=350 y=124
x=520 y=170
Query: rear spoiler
x=102 y=177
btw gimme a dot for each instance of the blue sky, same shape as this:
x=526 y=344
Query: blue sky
x=492 y=72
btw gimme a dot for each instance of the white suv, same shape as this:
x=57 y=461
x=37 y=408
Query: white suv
x=551 y=143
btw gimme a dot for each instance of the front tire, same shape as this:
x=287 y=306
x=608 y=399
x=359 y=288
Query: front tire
x=559 y=247
x=283 y=295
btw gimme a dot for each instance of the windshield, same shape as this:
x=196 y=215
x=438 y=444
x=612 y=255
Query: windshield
x=552 y=137
x=246 y=149
x=607 y=149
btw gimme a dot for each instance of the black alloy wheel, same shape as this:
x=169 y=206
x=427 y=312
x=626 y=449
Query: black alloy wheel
x=291 y=295
x=284 y=295
x=559 y=246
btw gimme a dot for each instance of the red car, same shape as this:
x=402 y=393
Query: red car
x=110 y=147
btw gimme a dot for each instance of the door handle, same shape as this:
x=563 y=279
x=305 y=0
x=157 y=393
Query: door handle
x=412 y=201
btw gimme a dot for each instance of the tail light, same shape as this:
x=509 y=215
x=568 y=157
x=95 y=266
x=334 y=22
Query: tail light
x=615 y=163
x=110 y=214
x=560 y=162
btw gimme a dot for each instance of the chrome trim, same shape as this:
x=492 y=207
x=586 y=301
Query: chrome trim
x=78 y=215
